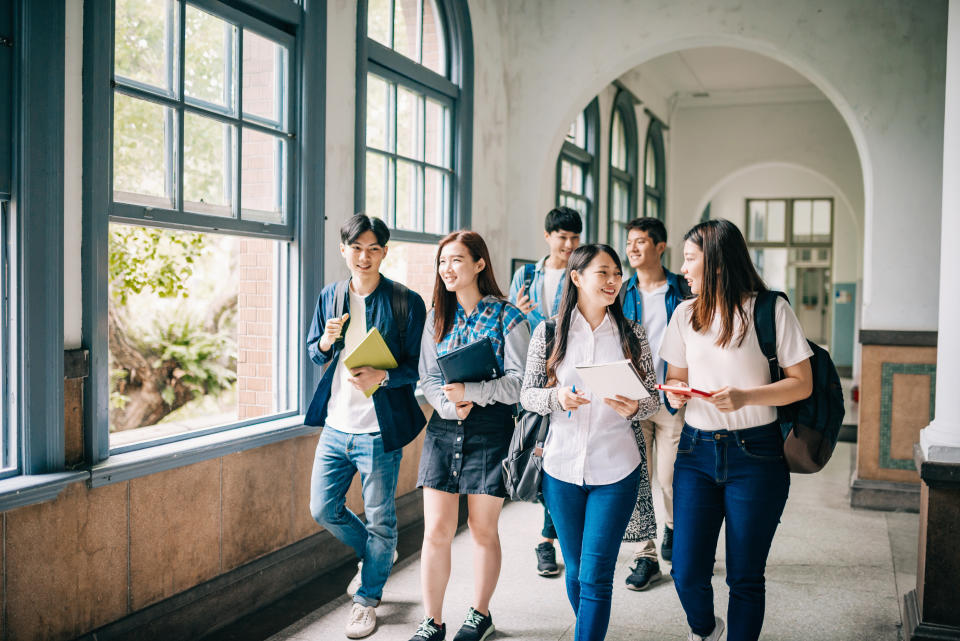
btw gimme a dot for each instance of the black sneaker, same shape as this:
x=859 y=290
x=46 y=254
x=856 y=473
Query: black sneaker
x=547 y=560
x=666 y=548
x=476 y=627
x=644 y=574
x=430 y=631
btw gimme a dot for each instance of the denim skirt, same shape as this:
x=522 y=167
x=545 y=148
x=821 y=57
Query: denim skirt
x=463 y=457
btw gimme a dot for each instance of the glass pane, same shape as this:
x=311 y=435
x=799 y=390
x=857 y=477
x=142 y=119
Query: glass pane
x=143 y=144
x=193 y=331
x=571 y=177
x=406 y=28
x=776 y=221
x=377 y=186
x=758 y=221
x=438 y=134
x=414 y=265
x=436 y=197
x=821 y=220
x=618 y=143
x=378 y=21
x=409 y=124
x=802 y=220
x=378 y=115
x=144 y=46
x=408 y=197
x=209 y=149
x=772 y=263
x=434 y=44
x=620 y=201
x=650 y=165
x=653 y=207
x=210 y=59
x=264 y=74
x=262 y=176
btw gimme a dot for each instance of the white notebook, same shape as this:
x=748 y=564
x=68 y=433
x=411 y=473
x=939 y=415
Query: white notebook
x=618 y=378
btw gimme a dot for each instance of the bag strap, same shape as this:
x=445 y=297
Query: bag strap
x=401 y=308
x=765 y=324
x=339 y=300
x=549 y=333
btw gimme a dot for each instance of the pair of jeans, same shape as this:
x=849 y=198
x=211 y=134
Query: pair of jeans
x=740 y=476
x=590 y=522
x=339 y=456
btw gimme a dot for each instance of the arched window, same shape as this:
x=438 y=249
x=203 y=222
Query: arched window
x=414 y=120
x=654 y=173
x=623 y=170
x=577 y=168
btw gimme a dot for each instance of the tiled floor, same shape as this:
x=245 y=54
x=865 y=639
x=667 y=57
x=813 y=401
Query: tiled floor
x=834 y=573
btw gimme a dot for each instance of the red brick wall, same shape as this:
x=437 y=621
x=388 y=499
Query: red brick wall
x=255 y=328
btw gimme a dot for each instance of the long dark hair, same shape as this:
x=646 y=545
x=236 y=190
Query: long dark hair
x=728 y=278
x=445 y=302
x=581 y=257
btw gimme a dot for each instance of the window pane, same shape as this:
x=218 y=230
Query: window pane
x=143 y=142
x=378 y=186
x=772 y=263
x=618 y=143
x=414 y=265
x=409 y=124
x=262 y=176
x=378 y=115
x=378 y=21
x=408 y=197
x=438 y=134
x=802 y=220
x=8 y=428
x=209 y=149
x=621 y=201
x=776 y=221
x=436 y=201
x=210 y=59
x=264 y=74
x=758 y=220
x=650 y=165
x=406 y=28
x=571 y=177
x=434 y=44
x=193 y=331
x=577 y=134
x=144 y=44
x=653 y=207
x=821 y=220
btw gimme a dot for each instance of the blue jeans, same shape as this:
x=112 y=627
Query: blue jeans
x=339 y=456
x=590 y=522
x=739 y=476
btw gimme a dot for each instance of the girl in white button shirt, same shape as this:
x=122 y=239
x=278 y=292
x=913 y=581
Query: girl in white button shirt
x=595 y=472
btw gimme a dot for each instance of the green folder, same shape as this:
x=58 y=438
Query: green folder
x=371 y=352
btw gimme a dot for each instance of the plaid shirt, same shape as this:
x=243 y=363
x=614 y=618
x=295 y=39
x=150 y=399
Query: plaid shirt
x=493 y=318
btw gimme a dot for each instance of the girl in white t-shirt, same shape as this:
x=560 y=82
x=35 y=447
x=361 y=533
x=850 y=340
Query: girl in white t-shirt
x=730 y=464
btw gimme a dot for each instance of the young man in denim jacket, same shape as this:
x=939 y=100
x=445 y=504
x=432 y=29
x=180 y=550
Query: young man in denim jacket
x=536 y=290
x=650 y=298
x=364 y=434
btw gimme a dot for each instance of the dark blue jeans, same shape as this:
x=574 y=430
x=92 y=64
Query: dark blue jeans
x=590 y=521
x=739 y=476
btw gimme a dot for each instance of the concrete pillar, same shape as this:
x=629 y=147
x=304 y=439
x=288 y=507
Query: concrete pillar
x=930 y=611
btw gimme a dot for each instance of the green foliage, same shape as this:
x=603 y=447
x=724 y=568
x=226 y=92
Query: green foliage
x=151 y=259
x=206 y=362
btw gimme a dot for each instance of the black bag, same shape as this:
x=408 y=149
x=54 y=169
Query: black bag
x=523 y=467
x=810 y=427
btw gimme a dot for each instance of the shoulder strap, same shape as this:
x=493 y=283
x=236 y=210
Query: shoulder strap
x=765 y=324
x=401 y=308
x=339 y=297
x=549 y=331
x=623 y=293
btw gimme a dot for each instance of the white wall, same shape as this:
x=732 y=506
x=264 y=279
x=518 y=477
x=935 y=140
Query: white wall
x=881 y=64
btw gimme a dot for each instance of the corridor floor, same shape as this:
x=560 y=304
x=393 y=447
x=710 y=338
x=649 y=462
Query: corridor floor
x=834 y=573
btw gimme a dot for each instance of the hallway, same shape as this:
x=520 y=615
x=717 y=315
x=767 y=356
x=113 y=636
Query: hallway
x=834 y=573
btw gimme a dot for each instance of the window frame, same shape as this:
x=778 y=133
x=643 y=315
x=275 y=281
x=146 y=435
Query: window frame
x=658 y=191
x=788 y=241
x=456 y=88
x=588 y=159
x=623 y=104
x=296 y=27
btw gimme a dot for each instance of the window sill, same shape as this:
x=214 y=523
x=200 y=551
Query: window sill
x=28 y=489
x=129 y=465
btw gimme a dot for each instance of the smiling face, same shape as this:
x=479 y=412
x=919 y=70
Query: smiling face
x=642 y=252
x=692 y=268
x=562 y=243
x=364 y=254
x=599 y=282
x=457 y=268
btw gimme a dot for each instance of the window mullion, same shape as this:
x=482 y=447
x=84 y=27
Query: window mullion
x=181 y=73
x=237 y=199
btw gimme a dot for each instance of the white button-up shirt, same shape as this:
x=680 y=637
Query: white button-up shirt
x=595 y=445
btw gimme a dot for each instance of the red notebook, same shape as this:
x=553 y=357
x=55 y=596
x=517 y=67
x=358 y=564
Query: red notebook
x=685 y=391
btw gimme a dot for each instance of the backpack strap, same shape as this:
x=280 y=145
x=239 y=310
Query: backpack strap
x=339 y=302
x=549 y=333
x=765 y=324
x=400 y=303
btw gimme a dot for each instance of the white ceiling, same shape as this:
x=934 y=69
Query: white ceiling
x=720 y=69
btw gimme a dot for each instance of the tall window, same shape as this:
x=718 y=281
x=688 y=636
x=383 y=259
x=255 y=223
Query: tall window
x=654 y=172
x=577 y=168
x=623 y=169
x=8 y=431
x=413 y=156
x=200 y=221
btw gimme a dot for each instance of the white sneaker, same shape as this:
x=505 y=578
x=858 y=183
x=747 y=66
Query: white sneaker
x=713 y=636
x=355 y=581
x=362 y=621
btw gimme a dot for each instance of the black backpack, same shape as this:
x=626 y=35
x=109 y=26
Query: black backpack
x=398 y=302
x=810 y=427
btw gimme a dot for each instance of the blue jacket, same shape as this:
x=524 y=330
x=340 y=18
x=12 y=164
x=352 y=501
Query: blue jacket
x=538 y=314
x=677 y=292
x=398 y=412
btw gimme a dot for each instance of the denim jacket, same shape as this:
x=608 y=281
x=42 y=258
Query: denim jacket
x=398 y=412
x=539 y=313
x=677 y=292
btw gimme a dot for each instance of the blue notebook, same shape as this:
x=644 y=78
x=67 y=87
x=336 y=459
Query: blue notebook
x=470 y=363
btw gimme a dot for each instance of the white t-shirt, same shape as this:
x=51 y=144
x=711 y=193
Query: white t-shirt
x=349 y=410
x=710 y=367
x=655 y=323
x=551 y=280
